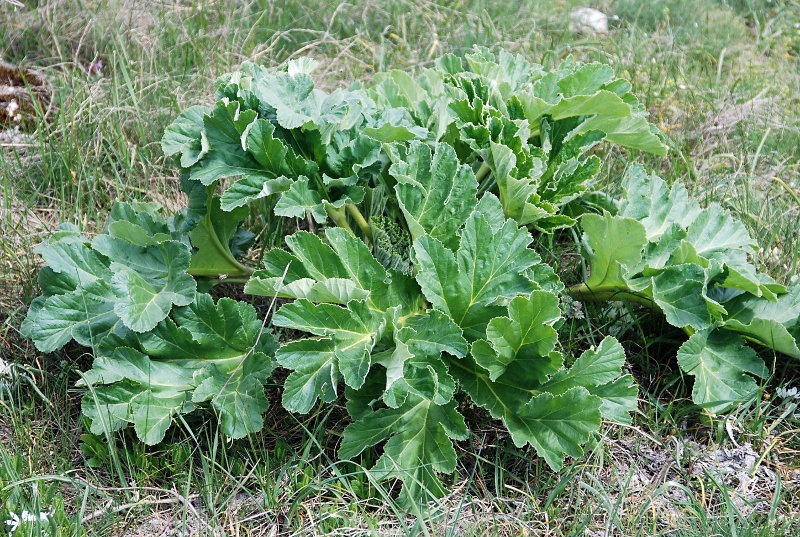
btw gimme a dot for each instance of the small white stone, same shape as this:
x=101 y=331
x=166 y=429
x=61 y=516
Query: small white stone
x=588 y=20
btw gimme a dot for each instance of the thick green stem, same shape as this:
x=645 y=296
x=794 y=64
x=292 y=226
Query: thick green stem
x=240 y=270
x=604 y=294
x=224 y=250
x=482 y=172
x=339 y=217
x=359 y=219
x=233 y=279
x=488 y=185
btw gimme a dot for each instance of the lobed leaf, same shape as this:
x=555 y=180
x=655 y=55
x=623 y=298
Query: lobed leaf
x=721 y=366
x=210 y=352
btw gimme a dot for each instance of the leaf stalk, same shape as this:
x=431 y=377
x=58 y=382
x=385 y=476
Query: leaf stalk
x=339 y=217
x=604 y=294
x=359 y=219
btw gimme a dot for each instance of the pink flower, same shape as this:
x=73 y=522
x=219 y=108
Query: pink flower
x=95 y=67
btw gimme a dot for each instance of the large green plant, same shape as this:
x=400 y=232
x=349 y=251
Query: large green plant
x=477 y=316
x=274 y=133
x=426 y=289
x=664 y=251
x=160 y=348
x=526 y=131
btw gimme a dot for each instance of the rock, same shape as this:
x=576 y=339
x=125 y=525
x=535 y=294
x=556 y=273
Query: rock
x=588 y=20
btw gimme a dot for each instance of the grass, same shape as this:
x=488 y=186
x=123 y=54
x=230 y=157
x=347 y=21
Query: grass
x=720 y=78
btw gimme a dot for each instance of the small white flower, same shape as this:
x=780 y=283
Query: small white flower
x=26 y=516
x=13 y=522
x=785 y=393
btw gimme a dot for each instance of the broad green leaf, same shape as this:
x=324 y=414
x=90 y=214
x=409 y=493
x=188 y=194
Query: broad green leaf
x=721 y=367
x=129 y=280
x=319 y=273
x=598 y=370
x=276 y=157
x=160 y=390
x=299 y=200
x=503 y=147
x=85 y=315
x=509 y=71
x=349 y=153
x=388 y=133
x=331 y=273
x=602 y=103
x=433 y=333
x=488 y=266
x=569 y=171
x=714 y=231
x=210 y=352
x=768 y=332
x=108 y=409
x=136 y=234
x=526 y=334
x=554 y=425
x=669 y=248
x=361 y=267
x=225 y=131
x=612 y=243
x=593 y=368
x=128 y=363
x=238 y=396
x=774 y=324
x=575 y=78
x=355 y=331
x=680 y=293
x=148 y=281
x=186 y=136
x=315 y=373
x=151 y=414
x=492 y=210
x=657 y=207
x=559 y=425
x=419 y=445
x=75 y=263
x=318 y=259
x=285 y=276
x=620 y=398
x=297 y=103
x=301 y=66
x=435 y=193
x=415 y=365
x=280 y=166
x=227 y=330
x=251 y=188
x=634 y=132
